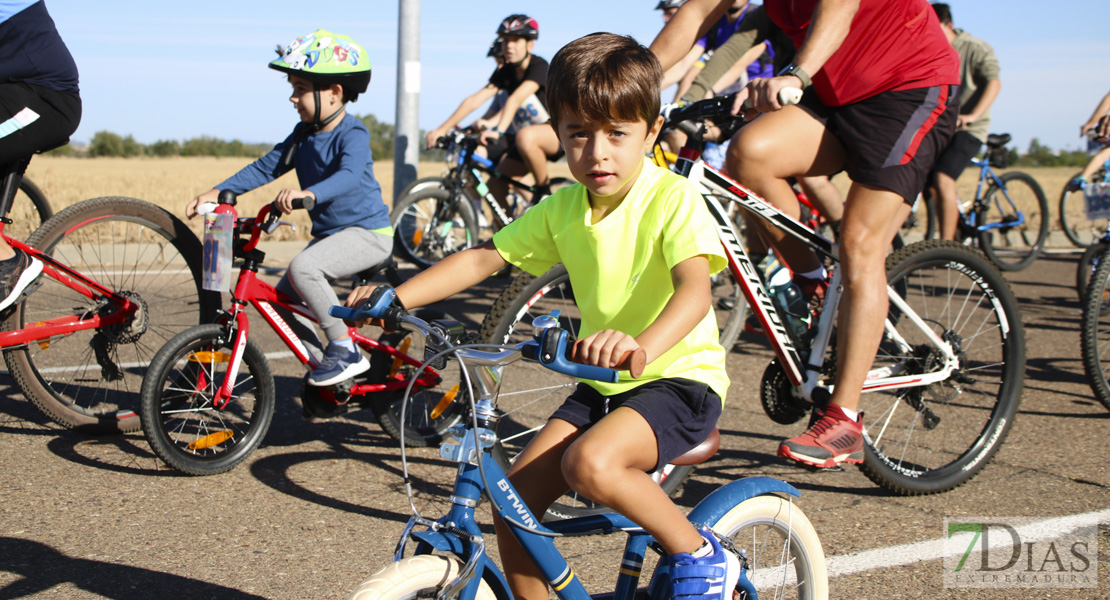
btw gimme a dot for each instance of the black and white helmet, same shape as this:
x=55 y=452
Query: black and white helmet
x=666 y=4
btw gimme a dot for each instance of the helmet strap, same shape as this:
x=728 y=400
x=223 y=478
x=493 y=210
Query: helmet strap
x=317 y=124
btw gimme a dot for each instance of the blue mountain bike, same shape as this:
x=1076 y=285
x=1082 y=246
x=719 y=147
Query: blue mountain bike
x=754 y=517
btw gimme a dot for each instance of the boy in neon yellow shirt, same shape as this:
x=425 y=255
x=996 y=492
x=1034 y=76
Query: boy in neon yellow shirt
x=640 y=246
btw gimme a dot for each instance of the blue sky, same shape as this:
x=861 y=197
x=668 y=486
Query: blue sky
x=157 y=71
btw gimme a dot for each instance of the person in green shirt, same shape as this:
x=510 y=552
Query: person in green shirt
x=640 y=246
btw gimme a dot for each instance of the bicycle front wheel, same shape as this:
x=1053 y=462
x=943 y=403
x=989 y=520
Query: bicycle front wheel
x=781 y=548
x=1008 y=244
x=181 y=419
x=1085 y=270
x=90 y=380
x=928 y=439
x=431 y=224
x=421 y=576
x=1095 y=331
x=1073 y=215
x=30 y=209
x=530 y=393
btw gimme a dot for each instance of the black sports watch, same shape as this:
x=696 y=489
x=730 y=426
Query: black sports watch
x=800 y=73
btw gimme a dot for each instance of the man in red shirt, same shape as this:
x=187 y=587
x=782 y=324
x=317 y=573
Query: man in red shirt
x=879 y=79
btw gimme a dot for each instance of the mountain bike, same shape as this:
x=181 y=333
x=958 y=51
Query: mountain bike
x=438 y=216
x=947 y=379
x=779 y=551
x=1095 y=328
x=1007 y=218
x=1080 y=229
x=120 y=277
x=208 y=399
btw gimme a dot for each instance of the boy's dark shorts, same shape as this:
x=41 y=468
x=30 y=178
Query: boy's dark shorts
x=892 y=138
x=681 y=412
x=958 y=154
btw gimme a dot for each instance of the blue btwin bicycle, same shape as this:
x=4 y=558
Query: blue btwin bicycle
x=754 y=517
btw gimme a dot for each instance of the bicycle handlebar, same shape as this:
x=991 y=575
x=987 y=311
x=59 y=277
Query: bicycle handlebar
x=719 y=107
x=550 y=347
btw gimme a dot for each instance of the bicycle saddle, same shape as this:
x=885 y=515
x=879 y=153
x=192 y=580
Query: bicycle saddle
x=997 y=140
x=702 y=452
x=363 y=277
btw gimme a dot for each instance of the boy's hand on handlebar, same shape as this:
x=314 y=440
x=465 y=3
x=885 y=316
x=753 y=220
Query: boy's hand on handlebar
x=608 y=348
x=766 y=95
x=356 y=299
x=284 y=200
x=433 y=136
x=212 y=196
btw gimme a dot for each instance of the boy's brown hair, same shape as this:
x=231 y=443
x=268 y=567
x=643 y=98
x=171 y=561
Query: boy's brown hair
x=604 y=77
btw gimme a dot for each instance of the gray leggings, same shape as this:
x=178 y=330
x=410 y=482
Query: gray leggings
x=336 y=256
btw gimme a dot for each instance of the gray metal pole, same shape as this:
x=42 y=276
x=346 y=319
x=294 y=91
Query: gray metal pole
x=406 y=138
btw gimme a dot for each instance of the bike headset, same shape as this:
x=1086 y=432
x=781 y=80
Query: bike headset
x=324 y=58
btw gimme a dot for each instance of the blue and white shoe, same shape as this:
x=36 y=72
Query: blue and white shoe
x=711 y=577
x=16 y=275
x=338 y=364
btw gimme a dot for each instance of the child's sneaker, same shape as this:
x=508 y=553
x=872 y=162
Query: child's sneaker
x=15 y=275
x=1077 y=184
x=339 y=363
x=710 y=577
x=831 y=439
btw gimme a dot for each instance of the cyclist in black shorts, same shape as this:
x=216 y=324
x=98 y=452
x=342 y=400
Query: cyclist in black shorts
x=39 y=109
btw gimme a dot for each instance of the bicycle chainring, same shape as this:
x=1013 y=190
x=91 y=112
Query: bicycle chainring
x=325 y=402
x=777 y=396
x=129 y=331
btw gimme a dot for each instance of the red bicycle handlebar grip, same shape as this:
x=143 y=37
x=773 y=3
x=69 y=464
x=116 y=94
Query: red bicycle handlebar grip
x=634 y=362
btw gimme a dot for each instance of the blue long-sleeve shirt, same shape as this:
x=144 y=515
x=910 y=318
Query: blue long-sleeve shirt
x=334 y=165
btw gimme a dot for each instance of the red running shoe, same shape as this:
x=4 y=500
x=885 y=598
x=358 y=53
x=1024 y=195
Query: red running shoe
x=832 y=439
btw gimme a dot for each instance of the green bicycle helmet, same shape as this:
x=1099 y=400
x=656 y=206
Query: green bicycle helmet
x=326 y=58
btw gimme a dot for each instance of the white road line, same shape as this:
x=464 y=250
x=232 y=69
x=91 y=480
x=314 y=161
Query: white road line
x=881 y=558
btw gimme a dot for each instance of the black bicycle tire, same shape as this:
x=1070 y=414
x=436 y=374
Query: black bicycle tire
x=434 y=182
x=1085 y=270
x=462 y=208
x=1094 y=309
x=154 y=426
x=20 y=362
x=989 y=281
x=1071 y=230
x=385 y=405
x=1012 y=180
x=497 y=328
x=39 y=203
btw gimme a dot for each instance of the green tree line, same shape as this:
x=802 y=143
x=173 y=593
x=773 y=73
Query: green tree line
x=107 y=143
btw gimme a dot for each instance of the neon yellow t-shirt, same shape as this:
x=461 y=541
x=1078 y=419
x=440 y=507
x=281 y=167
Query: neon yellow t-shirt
x=620 y=267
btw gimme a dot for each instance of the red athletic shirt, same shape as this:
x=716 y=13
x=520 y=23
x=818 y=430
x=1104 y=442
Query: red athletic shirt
x=892 y=45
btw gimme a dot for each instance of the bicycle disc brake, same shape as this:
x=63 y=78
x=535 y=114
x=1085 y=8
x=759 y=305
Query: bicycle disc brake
x=777 y=396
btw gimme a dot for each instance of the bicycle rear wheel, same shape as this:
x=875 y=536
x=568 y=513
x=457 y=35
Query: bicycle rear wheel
x=1095 y=332
x=1085 y=270
x=530 y=393
x=431 y=224
x=1014 y=247
x=90 y=380
x=183 y=425
x=30 y=209
x=924 y=440
x=783 y=553
x=425 y=421
x=1073 y=215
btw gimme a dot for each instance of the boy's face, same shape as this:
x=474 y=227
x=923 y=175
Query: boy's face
x=305 y=102
x=605 y=156
x=516 y=48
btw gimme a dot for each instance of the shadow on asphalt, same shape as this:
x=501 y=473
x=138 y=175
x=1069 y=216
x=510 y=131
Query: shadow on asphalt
x=41 y=567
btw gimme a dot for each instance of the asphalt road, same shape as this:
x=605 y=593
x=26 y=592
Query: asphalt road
x=319 y=507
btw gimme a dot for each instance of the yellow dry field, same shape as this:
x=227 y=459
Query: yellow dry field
x=172 y=182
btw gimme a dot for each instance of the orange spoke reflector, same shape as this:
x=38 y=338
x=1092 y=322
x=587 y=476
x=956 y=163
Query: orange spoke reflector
x=212 y=439
x=45 y=343
x=208 y=356
x=444 y=402
x=397 y=360
x=417 y=237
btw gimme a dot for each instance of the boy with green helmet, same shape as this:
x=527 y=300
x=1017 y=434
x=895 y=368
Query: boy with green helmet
x=330 y=151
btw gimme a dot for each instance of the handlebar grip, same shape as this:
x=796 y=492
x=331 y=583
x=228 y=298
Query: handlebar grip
x=375 y=307
x=350 y=314
x=789 y=95
x=633 y=361
x=307 y=203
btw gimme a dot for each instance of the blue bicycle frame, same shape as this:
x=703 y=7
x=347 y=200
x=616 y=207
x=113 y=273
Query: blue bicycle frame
x=971 y=216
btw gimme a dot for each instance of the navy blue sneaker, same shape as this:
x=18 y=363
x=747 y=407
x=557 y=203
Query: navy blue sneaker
x=338 y=364
x=711 y=577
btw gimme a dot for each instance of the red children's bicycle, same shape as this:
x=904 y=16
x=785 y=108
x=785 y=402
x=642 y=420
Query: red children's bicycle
x=208 y=398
